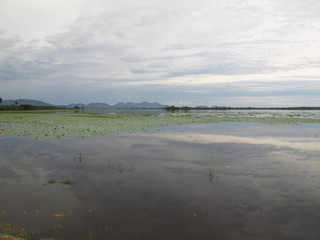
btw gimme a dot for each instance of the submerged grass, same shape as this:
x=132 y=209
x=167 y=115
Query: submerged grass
x=58 y=125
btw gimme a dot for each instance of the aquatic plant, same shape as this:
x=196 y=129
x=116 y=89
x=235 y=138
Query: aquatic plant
x=212 y=174
x=121 y=167
x=13 y=230
x=78 y=157
x=67 y=182
x=57 y=125
x=64 y=181
x=51 y=181
x=91 y=236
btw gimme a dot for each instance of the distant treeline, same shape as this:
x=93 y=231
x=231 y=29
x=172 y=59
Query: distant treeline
x=186 y=108
x=28 y=107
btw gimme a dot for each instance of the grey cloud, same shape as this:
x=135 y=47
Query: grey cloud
x=115 y=34
x=106 y=54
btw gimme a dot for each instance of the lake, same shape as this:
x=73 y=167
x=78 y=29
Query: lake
x=198 y=181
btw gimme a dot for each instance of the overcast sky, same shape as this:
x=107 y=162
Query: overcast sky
x=176 y=52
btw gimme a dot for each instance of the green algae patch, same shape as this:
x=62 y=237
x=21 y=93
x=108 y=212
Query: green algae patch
x=60 y=125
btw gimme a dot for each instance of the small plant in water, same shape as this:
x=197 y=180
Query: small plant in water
x=91 y=236
x=120 y=168
x=78 y=157
x=52 y=181
x=212 y=174
x=67 y=182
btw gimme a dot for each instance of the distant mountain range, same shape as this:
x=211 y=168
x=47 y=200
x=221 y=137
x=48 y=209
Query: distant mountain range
x=25 y=101
x=90 y=105
x=145 y=105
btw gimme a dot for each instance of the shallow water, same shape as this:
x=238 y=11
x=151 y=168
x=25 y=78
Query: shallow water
x=312 y=114
x=206 y=181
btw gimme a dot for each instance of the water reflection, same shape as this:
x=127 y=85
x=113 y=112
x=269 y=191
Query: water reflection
x=220 y=181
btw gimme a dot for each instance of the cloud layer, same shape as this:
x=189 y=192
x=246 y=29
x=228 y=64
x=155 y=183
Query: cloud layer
x=191 y=52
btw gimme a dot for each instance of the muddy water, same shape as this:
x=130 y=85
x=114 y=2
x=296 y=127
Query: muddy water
x=208 y=181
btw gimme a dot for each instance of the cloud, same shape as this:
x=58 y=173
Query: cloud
x=133 y=49
x=35 y=19
x=300 y=143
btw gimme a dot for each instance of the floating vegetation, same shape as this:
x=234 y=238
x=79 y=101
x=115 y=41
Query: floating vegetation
x=57 y=125
x=12 y=231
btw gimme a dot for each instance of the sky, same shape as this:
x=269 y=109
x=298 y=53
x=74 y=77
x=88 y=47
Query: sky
x=175 y=52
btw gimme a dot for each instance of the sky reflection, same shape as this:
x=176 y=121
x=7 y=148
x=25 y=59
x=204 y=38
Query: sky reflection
x=167 y=184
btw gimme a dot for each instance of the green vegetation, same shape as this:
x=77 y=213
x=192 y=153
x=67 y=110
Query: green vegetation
x=13 y=230
x=15 y=105
x=51 y=181
x=50 y=124
x=212 y=174
x=67 y=181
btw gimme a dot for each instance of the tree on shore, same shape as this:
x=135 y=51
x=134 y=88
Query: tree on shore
x=16 y=105
x=1 y=100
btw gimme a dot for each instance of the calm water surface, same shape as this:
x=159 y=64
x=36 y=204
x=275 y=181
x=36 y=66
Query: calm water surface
x=209 y=181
